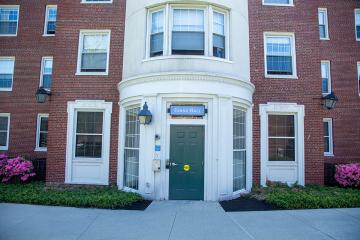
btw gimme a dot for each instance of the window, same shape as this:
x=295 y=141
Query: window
x=50 y=20
x=4 y=130
x=278 y=2
x=131 y=149
x=188 y=32
x=323 y=24
x=357 y=24
x=9 y=17
x=328 y=138
x=89 y=134
x=192 y=31
x=219 y=35
x=93 y=56
x=325 y=77
x=97 y=1
x=46 y=72
x=6 y=73
x=42 y=132
x=280 y=59
x=358 y=77
x=157 y=34
x=281 y=134
x=239 y=149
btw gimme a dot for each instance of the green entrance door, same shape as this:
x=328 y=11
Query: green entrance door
x=186 y=162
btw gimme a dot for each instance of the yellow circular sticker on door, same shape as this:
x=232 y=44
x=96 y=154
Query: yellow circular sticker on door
x=186 y=168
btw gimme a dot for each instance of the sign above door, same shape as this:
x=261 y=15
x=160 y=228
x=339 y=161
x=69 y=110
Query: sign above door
x=187 y=110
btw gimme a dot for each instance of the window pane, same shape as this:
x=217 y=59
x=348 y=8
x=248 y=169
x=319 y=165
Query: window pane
x=47 y=81
x=88 y=146
x=281 y=126
x=95 y=43
x=322 y=29
x=52 y=14
x=94 y=62
x=188 y=20
x=281 y=149
x=4 y=123
x=90 y=122
x=278 y=1
x=219 y=46
x=44 y=124
x=219 y=23
x=325 y=75
x=6 y=66
x=326 y=144
x=6 y=80
x=157 y=22
x=43 y=140
x=188 y=43
x=358 y=31
x=239 y=149
x=279 y=55
x=3 y=139
x=156 y=44
x=131 y=151
x=51 y=27
x=326 y=128
x=322 y=20
x=8 y=27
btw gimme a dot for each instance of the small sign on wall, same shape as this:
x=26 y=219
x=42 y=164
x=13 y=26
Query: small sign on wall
x=187 y=110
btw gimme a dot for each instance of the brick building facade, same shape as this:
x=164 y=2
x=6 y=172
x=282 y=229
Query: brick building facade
x=228 y=80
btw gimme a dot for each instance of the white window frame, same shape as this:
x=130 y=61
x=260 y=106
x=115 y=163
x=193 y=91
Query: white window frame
x=18 y=17
x=290 y=4
x=48 y=7
x=12 y=80
x=208 y=31
x=357 y=11
x=96 y=2
x=82 y=33
x=329 y=80
x=358 y=77
x=331 y=140
x=293 y=54
x=281 y=108
x=38 y=128
x=43 y=68
x=324 y=10
x=5 y=148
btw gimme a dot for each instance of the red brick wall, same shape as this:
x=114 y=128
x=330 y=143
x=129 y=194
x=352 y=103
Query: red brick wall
x=343 y=52
x=28 y=48
x=72 y=17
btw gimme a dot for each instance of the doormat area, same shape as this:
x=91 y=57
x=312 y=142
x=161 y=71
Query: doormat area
x=138 y=206
x=245 y=204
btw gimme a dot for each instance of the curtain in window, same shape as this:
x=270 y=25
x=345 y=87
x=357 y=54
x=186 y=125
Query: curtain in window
x=94 y=55
x=131 y=149
x=6 y=73
x=157 y=34
x=8 y=20
x=279 y=56
x=219 y=35
x=239 y=149
x=188 y=36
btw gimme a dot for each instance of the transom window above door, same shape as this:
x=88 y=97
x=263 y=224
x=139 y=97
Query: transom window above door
x=175 y=30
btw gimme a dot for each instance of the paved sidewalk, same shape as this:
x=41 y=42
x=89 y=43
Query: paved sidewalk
x=175 y=220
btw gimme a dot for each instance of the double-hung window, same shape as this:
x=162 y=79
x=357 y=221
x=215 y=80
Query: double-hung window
x=6 y=73
x=357 y=24
x=42 y=132
x=46 y=73
x=239 y=149
x=132 y=148
x=281 y=137
x=89 y=135
x=50 y=20
x=278 y=2
x=219 y=42
x=325 y=77
x=328 y=137
x=9 y=17
x=94 y=50
x=323 y=24
x=280 y=55
x=4 y=130
x=157 y=34
x=188 y=32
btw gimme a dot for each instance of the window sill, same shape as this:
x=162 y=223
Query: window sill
x=5 y=89
x=294 y=77
x=324 y=39
x=278 y=5
x=48 y=35
x=4 y=148
x=187 y=57
x=91 y=73
x=329 y=155
x=97 y=2
x=8 y=35
x=40 y=149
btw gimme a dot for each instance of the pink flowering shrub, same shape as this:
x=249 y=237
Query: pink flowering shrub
x=15 y=169
x=348 y=175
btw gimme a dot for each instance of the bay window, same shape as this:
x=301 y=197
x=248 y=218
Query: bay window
x=192 y=30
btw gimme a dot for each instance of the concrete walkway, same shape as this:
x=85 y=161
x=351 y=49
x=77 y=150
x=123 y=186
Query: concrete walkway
x=176 y=221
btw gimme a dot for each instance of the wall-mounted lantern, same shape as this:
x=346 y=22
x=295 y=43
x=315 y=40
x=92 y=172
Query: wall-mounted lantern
x=41 y=95
x=330 y=100
x=145 y=115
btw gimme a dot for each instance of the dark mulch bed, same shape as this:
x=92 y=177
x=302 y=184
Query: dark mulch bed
x=139 y=206
x=245 y=204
